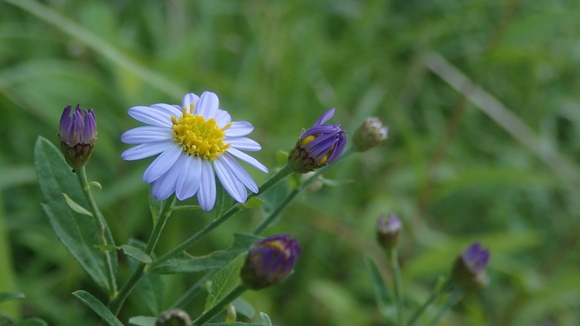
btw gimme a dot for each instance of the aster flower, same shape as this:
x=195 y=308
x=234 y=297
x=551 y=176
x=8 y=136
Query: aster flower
x=318 y=146
x=193 y=142
x=77 y=133
x=469 y=268
x=270 y=261
x=369 y=134
x=388 y=231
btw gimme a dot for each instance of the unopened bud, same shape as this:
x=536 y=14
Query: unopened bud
x=370 y=134
x=77 y=133
x=173 y=317
x=388 y=231
x=469 y=269
x=270 y=261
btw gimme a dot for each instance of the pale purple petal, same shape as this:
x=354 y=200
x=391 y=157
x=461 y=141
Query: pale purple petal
x=170 y=110
x=208 y=105
x=230 y=182
x=188 y=99
x=248 y=159
x=162 y=163
x=146 y=134
x=325 y=117
x=163 y=187
x=207 y=189
x=146 y=150
x=243 y=144
x=239 y=129
x=150 y=116
x=222 y=118
x=189 y=178
x=238 y=170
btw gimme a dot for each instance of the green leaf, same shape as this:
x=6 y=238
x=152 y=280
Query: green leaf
x=224 y=281
x=98 y=307
x=150 y=289
x=243 y=307
x=76 y=207
x=31 y=322
x=136 y=253
x=78 y=233
x=143 y=321
x=253 y=202
x=217 y=259
x=5 y=296
x=382 y=294
x=273 y=198
x=265 y=320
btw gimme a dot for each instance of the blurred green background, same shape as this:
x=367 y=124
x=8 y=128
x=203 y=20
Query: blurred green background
x=457 y=167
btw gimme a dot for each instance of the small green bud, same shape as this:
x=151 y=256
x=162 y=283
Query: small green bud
x=173 y=317
x=388 y=231
x=370 y=134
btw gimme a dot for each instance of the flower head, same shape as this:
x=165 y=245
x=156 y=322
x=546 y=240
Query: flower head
x=270 y=261
x=469 y=268
x=77 y=133
x=320 y=145
x=388 y=231
x=370 y=134
x=193 y=141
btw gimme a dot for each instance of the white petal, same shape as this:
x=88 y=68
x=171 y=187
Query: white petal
x=188 y=99
x=222 y=118
x=162 y=163
x=239 y=129
x=146 y=150
x=150 y=116
x=168 y=109
x=248 y=159
x=146 y=134
x=243 y=143
x=207 y=189
x=189 y=178
x=238 y=170
x=230 y=182
x=163 y=187
x=208 y=105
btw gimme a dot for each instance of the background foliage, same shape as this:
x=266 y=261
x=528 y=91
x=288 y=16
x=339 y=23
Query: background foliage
x=453 y=172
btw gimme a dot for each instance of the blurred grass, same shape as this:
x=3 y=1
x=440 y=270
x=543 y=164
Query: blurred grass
x=453 y=172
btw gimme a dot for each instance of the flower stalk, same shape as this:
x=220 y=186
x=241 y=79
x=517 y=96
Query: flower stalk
x=218 y=307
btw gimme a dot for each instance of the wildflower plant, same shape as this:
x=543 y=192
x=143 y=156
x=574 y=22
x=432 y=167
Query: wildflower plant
x=198 y=146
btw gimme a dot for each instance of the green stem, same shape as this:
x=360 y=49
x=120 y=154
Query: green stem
x=218 y=307
x=274 y=179
x=394 y=260
x=455 y=296
x=194 y=290
x=104 y=232
x=117 y=302
x=432 y=298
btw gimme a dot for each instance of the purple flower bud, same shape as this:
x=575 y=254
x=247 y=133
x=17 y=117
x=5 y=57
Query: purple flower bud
x=77 y=133
x=270 y=261
x=469 y=268
x=370 y=134
x=388 y=231
x=318 y=146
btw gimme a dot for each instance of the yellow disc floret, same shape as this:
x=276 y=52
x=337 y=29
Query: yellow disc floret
x=198 y=136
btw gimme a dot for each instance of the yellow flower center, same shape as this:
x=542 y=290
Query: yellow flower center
x=198 y=136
